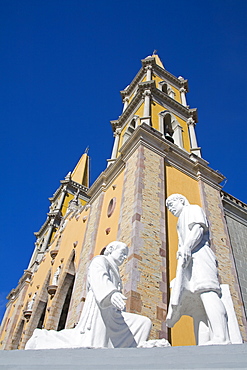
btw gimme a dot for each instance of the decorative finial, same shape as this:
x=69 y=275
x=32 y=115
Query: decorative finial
x=155 y=52
x=86 y=150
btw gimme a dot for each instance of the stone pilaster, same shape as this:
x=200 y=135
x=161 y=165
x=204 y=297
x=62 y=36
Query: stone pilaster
x=142 y=224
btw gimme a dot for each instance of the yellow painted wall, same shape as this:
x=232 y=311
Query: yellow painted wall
x=177 y=94
x=7 y=325
x=177 y=182
x=73 y=232
x=67 y=199
x=139 y=112
x=110 y=222
x=155 y=110
x=177 y=97
x=186 y=139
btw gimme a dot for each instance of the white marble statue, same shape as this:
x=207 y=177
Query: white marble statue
x=56 y=276
x=31 y=302
x=196 y=290
x=103 y=322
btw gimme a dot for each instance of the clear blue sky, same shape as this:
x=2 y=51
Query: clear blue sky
x=62 y=65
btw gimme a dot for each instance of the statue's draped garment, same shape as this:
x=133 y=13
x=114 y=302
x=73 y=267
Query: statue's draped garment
x=101 y=325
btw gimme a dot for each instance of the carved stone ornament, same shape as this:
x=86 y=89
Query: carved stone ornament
x=51 y=289
x=27 y=314
x=53 y=253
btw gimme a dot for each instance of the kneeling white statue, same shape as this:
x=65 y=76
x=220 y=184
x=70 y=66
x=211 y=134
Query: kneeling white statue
x=196 y=290
x=103 y=322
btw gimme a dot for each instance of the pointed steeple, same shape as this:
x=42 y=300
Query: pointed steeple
x=81 y=171
x=158 y=60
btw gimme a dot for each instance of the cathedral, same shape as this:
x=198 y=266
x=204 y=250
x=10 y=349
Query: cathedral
x=155 y=154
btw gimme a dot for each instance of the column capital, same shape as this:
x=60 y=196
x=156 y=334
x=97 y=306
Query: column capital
x=148 y=67
x=183 y=90
x=126 y=100
x=117 y=132
x=146 y=93
x=190 y=121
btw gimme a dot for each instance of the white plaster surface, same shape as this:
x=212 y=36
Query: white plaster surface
x=190 y=357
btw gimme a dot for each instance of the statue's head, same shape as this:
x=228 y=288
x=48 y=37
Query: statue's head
x=118 y=251
x=175 y=203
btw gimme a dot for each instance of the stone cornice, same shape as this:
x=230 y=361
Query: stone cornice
x=234 y=200
x=147 y=136
x=130 y=89
x=188 y=163
x=149 y=61
x=234 y=207
x=26 y=278
x=162 y=73
x=66 y=185
x=160 y=97
x=135 y=102
x=176 y=106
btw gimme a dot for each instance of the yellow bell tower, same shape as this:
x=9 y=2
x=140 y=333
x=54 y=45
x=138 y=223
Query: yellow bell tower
x=157 y=98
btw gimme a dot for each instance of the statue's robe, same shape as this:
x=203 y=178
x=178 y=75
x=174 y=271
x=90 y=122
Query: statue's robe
x=101 y=325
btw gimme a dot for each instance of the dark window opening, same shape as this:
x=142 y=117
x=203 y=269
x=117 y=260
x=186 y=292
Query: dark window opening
x=42 y=318
x=164 y=88
x=65 y=309
x=168 y=131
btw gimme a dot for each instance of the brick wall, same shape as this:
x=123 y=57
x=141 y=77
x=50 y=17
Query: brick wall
x=142 y=225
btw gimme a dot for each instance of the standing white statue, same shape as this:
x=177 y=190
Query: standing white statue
x=103 y=322
x=196 y=290
x=31 y=302
x=56 y=276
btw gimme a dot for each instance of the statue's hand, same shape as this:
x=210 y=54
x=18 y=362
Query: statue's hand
x=117 y=300
x=186 y=256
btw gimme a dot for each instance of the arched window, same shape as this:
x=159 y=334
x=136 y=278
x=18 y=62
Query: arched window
x=130 y=129
x=167 y=127
x=59 y=311
x=170 y=128
x=65 y=309
x=132 y=126
x=164 y=88
x=42 y=316
x=17 y=337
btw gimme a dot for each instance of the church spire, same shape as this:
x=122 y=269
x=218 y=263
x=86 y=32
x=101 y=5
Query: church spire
x=81 y=171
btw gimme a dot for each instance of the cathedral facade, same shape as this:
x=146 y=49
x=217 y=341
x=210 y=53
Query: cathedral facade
x=155 y=154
